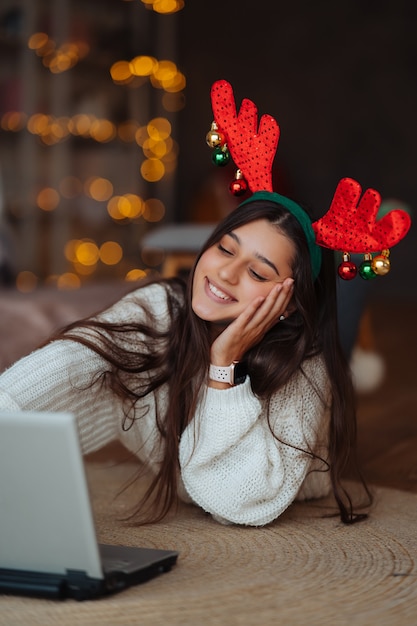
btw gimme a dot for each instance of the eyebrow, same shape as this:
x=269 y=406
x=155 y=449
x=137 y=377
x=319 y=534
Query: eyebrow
x=260 y=257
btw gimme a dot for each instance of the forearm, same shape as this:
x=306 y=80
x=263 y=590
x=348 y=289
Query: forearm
x=236 y=468
x=58 y=378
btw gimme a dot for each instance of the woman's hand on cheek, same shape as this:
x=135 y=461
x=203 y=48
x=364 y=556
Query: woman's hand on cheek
x=252 y=324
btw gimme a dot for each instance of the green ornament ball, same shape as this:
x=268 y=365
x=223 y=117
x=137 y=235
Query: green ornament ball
x=366 y=272
x=220 y=156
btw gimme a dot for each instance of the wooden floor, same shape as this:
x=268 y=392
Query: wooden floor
x=387 y=417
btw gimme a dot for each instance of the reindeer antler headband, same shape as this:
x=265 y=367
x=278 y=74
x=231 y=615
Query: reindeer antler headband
x=350 y=225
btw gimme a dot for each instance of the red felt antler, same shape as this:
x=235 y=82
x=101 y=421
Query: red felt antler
x=252 y=149
x=351 y=224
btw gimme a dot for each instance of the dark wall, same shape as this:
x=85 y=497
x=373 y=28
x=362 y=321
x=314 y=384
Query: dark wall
x=339 y=77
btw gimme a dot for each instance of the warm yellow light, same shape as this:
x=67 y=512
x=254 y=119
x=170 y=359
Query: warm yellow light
x=170 y=162
x=59 y=128
x=143 y=65
x=84 y=270
x=26 y=281
x=47 y=199
x=46 y=50
x=38 y=123
x=174 y=84
x=80 y=124
x=70 y=250
x=71 y=50
x=166 y=6
x=152 y=148
x=113 y=208
x=99 y=189
x=152 y=170
x=128 y=206
x=69 y=280
x=111 y=253
x=166 y=70
x=141 y=135
x=60 y=63
x=159 y=128
x=103 y=130
x=154 y=210
x=13 y=120
x=120 y=72
x=136 y=205
x=37 y=41
x=87 y=253
x=135 y=274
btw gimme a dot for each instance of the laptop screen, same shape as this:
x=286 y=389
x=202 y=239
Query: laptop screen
x=46 y=521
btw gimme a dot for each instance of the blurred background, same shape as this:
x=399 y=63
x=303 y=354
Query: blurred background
x=106 y=177
x=104 y=109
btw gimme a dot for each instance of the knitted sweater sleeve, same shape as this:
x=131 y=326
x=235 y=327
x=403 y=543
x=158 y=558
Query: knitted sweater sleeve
x=235 y=468
x=58 y=377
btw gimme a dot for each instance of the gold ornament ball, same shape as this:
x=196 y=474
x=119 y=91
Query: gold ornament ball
x=214 y=139
x=381 y=265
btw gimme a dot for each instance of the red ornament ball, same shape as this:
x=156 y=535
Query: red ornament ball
x=347 y=270
x=238 y=186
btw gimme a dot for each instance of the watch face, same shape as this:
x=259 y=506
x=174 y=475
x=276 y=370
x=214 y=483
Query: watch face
x=240 y=372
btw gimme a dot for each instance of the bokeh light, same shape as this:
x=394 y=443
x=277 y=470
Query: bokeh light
x=156 y=150
x=111 y=253
x=48 y=199
x=26 y=281
x=135 y=274
x=154 y=210
x=164 y=6
x=68 y=280
x=98 y=188
x=152 y=170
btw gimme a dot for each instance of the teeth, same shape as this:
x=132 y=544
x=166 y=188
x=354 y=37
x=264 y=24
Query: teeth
x=218 y=293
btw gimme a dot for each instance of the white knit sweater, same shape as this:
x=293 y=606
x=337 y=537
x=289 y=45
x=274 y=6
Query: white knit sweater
x=231 y=464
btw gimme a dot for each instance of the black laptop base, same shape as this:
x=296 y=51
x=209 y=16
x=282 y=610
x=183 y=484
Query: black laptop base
x=77 y=585
x=51 y=586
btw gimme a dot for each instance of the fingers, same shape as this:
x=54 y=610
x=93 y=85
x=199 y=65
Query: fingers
x=276 y=303
x=251 y=325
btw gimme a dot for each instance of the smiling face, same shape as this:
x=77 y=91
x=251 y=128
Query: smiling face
x=244 y=264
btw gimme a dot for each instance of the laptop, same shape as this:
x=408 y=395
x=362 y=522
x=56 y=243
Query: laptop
x=48 y=542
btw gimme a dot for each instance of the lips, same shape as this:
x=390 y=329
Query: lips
x=219 y=294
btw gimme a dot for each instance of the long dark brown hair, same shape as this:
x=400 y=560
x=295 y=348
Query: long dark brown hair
x=180 y=354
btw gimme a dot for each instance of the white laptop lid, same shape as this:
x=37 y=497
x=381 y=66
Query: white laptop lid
x=46 y=521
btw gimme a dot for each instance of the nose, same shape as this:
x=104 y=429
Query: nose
x=229 y=271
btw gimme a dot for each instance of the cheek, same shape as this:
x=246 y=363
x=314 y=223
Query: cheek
x=201 y=271
x=254 y=289
x=205 y=264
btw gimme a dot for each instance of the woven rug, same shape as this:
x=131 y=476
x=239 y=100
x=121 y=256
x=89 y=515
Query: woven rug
x=302 y=569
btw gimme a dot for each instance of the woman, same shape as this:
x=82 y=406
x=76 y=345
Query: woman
x=232 y=389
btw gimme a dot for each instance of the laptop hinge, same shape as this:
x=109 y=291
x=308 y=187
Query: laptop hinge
x=28 y=583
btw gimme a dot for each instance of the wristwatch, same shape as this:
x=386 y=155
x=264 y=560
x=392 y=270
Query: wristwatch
x=233 y=374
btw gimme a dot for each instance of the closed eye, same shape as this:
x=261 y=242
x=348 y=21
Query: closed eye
x=257 y=276
x=224 y=250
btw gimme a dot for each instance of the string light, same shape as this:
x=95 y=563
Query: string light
x=159 y=150
x=164 y=6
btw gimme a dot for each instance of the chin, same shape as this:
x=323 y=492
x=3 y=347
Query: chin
x=209 y=316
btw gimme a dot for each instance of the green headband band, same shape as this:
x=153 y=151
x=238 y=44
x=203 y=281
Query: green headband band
x=302 y=218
